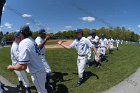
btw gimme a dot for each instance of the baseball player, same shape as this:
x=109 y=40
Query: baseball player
x=81 y=44
x=121 y=42
x=14 y=58
x=126 y=42
x=103 y=44
x=29 y=55
x=95 y=41
x=117 y=43
x=110 y=44
x=41 y=41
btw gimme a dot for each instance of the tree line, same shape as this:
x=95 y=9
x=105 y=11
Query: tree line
x=119 y=32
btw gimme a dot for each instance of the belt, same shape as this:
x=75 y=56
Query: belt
x=82 y=55
x=42 y=54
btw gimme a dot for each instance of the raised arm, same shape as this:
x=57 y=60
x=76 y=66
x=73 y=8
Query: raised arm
x=41 y=45
x=63 y=45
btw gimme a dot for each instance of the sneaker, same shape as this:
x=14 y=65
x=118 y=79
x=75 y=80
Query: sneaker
x=28 y=90
x=79 y=82
x=20 y=87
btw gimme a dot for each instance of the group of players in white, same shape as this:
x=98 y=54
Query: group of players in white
x=86 y=46
x=28 y=54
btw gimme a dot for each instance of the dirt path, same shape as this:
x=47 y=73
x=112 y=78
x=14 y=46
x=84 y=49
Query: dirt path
x=129 y=85
x=66 y=42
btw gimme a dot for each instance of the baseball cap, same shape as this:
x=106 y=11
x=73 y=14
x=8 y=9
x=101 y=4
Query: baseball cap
x=25 y=28
x=42 y=31
x=16 y=34
x=79 y=30
x=103 y=35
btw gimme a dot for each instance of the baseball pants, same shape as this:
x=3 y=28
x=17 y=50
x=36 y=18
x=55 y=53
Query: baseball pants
x=81 y=63
x=103 y=50
x=89 y=54
x=46 y=65
x=22 y=77
x=39 y=80
x=117 y=44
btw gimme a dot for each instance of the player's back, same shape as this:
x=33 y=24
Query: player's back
x=32 y=53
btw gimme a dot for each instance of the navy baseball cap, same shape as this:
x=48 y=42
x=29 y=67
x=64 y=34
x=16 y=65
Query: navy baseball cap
x=25 y=28
x=79 y=30
x=42 y=31
x=17 y=34
x=103 y=35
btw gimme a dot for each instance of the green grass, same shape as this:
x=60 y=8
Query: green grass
x=51 y=42
x=121 y=65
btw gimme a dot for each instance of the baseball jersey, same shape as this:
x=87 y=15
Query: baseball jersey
x=39 y=40
x=117 y=41
x=81 y=45
x=14 y=53
x=103 y=42
x=29 y=54
x=96 y=39
x=110 y=41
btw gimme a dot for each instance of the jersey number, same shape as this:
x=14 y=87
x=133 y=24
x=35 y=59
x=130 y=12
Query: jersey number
x=83 y=46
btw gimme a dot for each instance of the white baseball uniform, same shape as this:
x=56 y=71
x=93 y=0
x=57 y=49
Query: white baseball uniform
x=81 y=46
x=29 y=54
x=14 y=58
x=110 y=42
x=39 y=40
x=117 y=42
x=126 y=42
x=103 y=45
x=89 y=51
x=96 y=42
x=121 y=42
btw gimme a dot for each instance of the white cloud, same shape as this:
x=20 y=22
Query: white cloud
x=27 y=23
x=26 y=15
x=130 y=28
x=138 y=26
x=68 y=27
x=17 y=30
x=1 y=26
x=8 y=25
x=88 y=19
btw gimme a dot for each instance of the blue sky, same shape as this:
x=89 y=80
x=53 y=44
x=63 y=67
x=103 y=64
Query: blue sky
x=59 y=15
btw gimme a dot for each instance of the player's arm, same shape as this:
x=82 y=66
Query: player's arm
x=18 y=67
x=44 y=42
x=92 y=41
x=63 y=45
x=23 y=59
x=93 y=48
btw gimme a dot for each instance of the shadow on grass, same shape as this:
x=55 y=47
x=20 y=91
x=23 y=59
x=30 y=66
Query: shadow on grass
x=59 y=77
x=14 y=90
x=87 y=75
